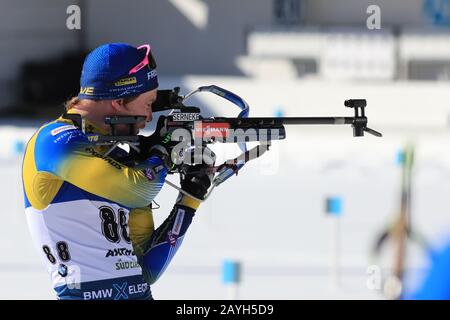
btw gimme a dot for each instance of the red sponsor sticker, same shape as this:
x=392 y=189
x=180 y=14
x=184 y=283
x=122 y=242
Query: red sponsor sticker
x=208 y=130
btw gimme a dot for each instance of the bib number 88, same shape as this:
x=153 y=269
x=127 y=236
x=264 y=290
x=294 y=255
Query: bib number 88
x=62 y=249
x=113 y=228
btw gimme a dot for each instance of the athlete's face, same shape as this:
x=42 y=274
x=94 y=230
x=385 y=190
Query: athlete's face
x=140 y=106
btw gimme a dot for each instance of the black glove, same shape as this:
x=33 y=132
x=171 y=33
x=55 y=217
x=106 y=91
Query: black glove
x=159 y=143
x=196 y=179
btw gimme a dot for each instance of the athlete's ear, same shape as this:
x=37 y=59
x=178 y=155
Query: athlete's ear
x=117 y=104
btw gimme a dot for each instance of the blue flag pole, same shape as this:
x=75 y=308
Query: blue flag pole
x=334 y=213
x=231 y=277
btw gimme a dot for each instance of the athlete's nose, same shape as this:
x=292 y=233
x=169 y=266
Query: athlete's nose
x=149 y=115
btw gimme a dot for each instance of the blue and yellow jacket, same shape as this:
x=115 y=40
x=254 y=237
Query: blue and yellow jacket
x=90 y=215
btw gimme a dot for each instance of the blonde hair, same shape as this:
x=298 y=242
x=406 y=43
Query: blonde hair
x=71 y=103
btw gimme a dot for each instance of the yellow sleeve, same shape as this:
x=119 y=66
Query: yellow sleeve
x=60 y=152
x=111 y=180
x=141 y=227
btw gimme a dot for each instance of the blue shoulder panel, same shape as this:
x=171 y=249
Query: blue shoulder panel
x=58 y=140
x=69 y=192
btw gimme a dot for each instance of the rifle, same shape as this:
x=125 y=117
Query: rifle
x=186 y=126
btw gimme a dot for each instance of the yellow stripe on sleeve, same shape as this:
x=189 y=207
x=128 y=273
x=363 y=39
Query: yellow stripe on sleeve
x=141 y=226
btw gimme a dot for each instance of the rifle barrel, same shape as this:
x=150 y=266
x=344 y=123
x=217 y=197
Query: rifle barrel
x=280 y=121
x=317 y=120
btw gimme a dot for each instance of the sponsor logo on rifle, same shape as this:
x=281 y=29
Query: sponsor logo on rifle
x=208 y=130
x=185 y=116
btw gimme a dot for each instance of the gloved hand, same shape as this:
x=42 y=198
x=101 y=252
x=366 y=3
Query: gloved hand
x=197 y=179
x=159 y=143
